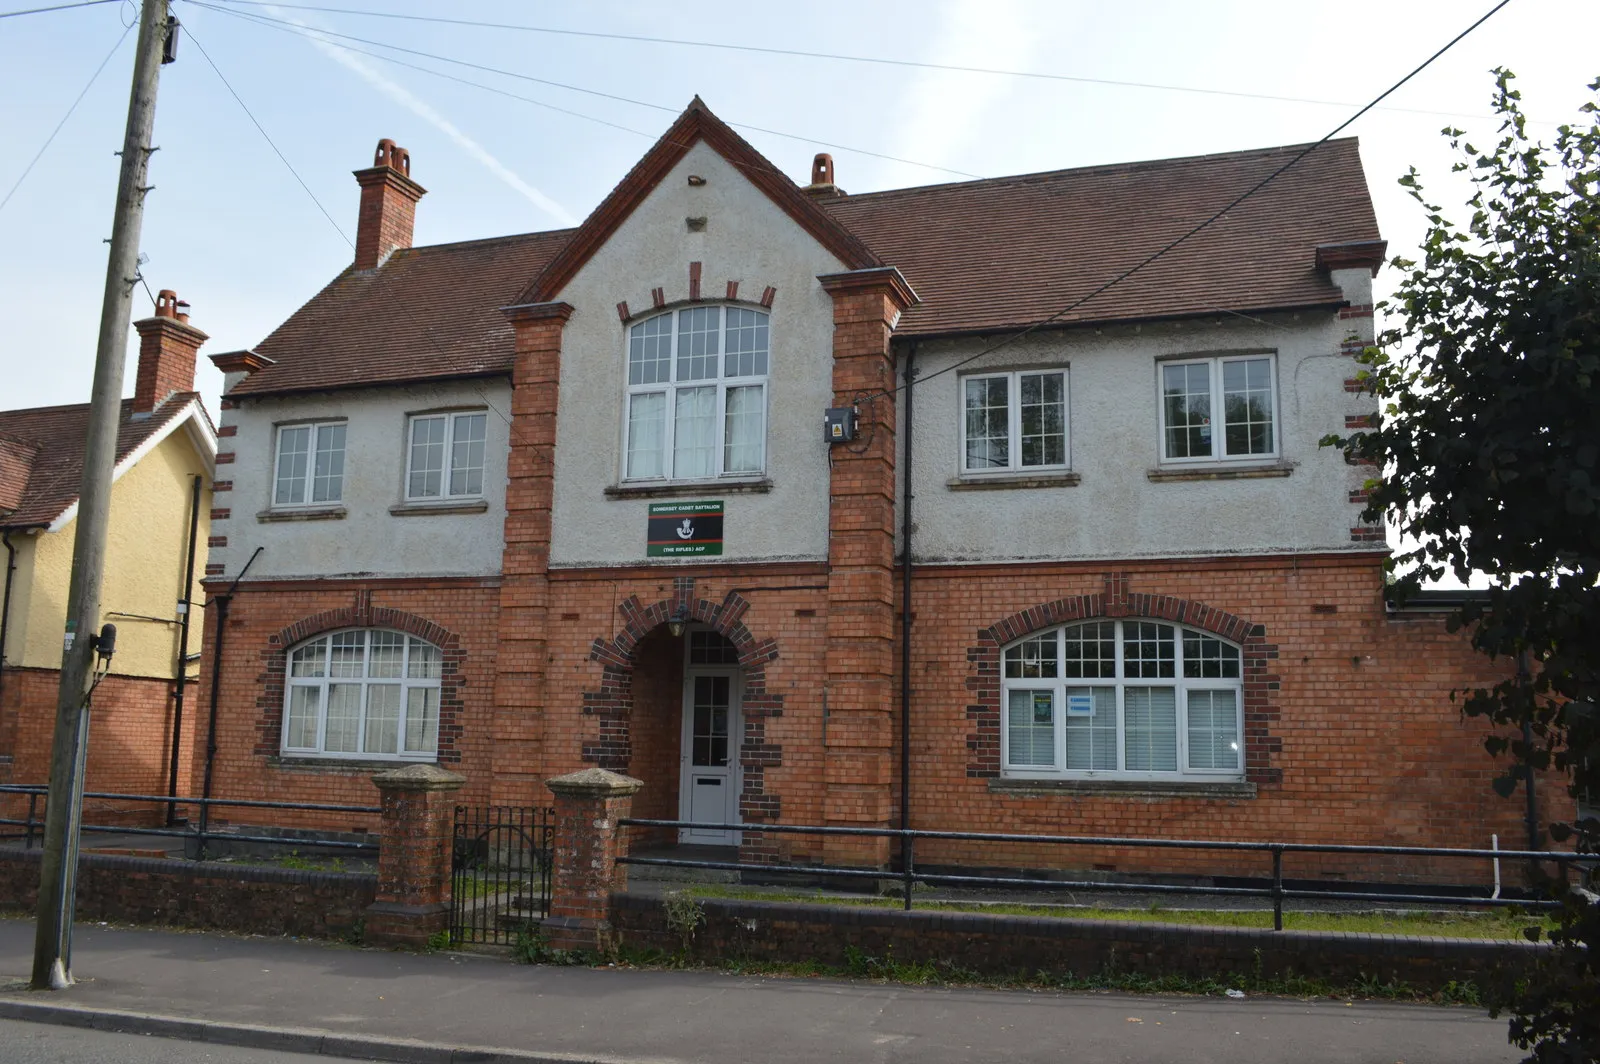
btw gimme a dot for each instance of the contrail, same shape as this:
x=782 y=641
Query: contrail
x=402 y=96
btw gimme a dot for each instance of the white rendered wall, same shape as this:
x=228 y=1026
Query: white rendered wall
x=368 y=539
x=1116 y=510
x=746 y=238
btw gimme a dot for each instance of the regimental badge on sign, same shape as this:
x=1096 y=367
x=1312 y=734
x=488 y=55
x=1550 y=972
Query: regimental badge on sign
x=680 y=529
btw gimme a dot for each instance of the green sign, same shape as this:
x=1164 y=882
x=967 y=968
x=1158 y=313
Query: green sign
x=679 y=529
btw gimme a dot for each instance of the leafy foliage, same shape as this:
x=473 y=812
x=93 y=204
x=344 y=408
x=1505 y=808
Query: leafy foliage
x=1488 y=445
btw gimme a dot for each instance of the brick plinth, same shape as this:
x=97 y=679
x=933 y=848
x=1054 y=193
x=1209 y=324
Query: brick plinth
x=413 y=900
x=588 y=842
x=861 y=636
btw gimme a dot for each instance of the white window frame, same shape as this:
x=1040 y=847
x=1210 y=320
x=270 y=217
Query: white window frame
x=405 y=682
x=450 y=418
x=1014 y=422
x=1182 y=685
x=1219 y=433
x=722 y=382
x=316 y=429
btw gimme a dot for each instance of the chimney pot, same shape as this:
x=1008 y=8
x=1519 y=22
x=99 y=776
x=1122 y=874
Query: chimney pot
x=388 y=205
x=822 y=169
x=167 y=303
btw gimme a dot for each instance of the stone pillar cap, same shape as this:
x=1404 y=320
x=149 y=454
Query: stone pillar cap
x=594 y=783
x=419 y=778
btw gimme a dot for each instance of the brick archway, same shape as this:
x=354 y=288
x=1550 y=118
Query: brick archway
x=1261 y=712
x=612 y=702
x=275 y=664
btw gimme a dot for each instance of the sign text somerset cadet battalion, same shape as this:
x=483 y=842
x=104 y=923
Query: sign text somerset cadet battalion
x=678 y=529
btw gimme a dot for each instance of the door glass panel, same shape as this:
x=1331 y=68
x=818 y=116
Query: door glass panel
x=709 y=741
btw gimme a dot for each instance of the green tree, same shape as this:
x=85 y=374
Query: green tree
x=1487 y=450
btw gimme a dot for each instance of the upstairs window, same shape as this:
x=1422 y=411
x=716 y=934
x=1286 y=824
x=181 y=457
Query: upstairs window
x=697 y=395
x=310 y=465
x=1123 y=699
x=1014 y=421
x=1219 y=409
x=445 y=455
x=363 y=693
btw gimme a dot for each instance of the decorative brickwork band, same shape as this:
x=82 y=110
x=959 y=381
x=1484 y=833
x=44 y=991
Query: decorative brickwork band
x=1261 y=712
x=362 y=614
x=611 y=704
x=413 y=900
x=588 y=841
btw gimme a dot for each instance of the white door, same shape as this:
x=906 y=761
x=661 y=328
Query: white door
x=709 y=769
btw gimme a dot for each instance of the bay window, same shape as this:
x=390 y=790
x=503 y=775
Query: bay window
x=1123 y=699
x=697 y=395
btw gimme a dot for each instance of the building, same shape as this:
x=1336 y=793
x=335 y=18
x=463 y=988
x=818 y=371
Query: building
x=471 y=494
x=160 y=516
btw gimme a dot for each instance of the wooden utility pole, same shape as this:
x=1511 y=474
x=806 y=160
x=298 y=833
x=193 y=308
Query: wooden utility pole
x=52 y=954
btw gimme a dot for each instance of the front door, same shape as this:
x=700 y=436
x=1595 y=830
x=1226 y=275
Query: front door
x=709 y=770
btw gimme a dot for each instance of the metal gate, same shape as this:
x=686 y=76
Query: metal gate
x=500 y=872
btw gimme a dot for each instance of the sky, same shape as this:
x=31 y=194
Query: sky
x=230 y=228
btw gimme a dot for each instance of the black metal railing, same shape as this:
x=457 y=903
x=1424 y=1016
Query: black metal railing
x=201 y=832
x=501 y=863
x=1275 y=889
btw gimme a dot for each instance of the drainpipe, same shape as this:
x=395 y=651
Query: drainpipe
x=905 y=606
x=181 y=680
x=1531 y=813
x=223 y=602
x=5 y=604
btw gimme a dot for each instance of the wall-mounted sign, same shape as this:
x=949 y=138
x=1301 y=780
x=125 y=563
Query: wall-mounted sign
x=685 y=528
x=1080 y=705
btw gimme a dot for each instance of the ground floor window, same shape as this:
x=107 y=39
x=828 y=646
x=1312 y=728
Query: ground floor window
x=1129 y=699
x=363 y=693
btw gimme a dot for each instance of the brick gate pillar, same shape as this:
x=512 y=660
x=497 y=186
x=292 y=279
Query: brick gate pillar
x=859 y=757
x=413 y=900
x=588 y=841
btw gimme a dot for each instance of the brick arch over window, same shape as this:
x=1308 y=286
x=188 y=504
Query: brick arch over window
x=612 y=702
x=1261 y=711
x=275 y=662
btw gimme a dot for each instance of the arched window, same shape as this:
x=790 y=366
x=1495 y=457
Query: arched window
x=697 y=395
x=1129 y=699
x=364 y=693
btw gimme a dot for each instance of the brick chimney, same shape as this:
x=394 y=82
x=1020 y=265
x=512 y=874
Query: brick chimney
x=388 y=205
x=168 y=345
x=822 y=185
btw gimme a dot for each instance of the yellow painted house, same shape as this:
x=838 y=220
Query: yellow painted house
x=155 y=559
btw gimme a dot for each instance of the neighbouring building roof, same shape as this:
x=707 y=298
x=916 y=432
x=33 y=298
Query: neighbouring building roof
x=988 y=255
x=55 y=436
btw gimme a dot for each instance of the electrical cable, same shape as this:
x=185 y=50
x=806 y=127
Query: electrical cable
x=834 y=56
x=58 y=7
x=313 y=32
x=1257 y=187
x=53 y=133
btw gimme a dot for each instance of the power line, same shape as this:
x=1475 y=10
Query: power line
x=835 y=56
x=1263 y=183
x=52 y=137
x=58 y=7
x=314 y=32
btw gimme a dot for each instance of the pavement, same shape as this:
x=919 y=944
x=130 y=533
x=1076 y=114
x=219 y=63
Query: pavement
x=320 y=999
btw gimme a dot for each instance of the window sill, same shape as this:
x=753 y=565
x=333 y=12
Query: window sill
x=342 y=765
x=1126 y=788
x=419 y=509
x=326 y=513
x=688 y=488
x=1219 y=471
x=998 y=482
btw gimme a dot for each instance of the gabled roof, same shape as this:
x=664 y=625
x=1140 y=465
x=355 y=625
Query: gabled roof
x=695 y=124
x=57 y=434
x=1010 y=251
x=990 y=255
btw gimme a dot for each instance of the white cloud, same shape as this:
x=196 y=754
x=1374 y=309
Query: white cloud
x=403 y=96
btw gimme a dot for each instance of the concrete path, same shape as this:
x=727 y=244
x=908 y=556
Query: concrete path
x=317 y=998
x=35 y=1043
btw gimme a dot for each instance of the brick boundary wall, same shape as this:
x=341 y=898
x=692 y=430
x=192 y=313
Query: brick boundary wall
x=261 y=901
x=1009 y=945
